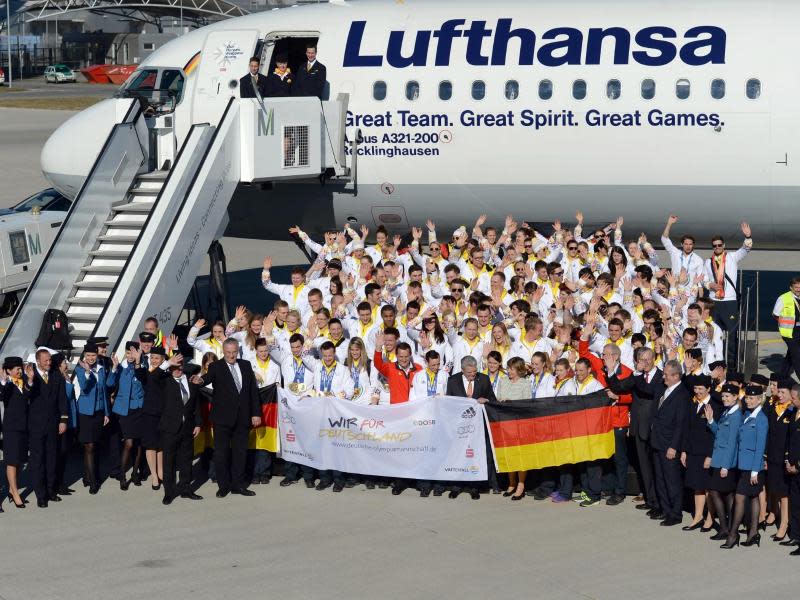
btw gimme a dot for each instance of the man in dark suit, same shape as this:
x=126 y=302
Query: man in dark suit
x=179 y=425
x=253 y=81
x=471 y=384
x=647 y=386
x=665 y=439
x=311 y=77
x=48 y=413
x=235 y=406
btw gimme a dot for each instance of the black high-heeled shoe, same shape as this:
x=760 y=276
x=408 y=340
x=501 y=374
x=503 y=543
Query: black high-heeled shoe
x=156 y=487
x=763 y=526
x=753 y=541
x=774 y=537
x=124 y=484
x=10 y=497
x=520 y=497
x=718 y=537
x=697 y=525
x=507 y=493
x=729 y=545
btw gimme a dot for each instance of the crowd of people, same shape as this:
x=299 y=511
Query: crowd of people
x=494 y=314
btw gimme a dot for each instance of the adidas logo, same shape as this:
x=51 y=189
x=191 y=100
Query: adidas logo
x=469 y=413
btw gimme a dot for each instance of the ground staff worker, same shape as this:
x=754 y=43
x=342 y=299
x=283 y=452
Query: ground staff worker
x=787 y=313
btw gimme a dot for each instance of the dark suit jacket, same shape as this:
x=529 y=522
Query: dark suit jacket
x=175 y=413
x=481 y=389
x=229 y=407
x=153 y=404
x=15 y=413
x=669 y=420
x=275 y=87
x=48 y=402
x=310 y=83
x=246 y=86
x=698 y=439
x=645 y=399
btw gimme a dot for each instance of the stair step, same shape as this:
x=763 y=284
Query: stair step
x=96 y=285
x=86 y=301
x=121 y=239
x=82 y=318
x=102 y=269
x=143 y=192
x=133 y=207
x=110 y=253
x=153 y=176
x=119 y=224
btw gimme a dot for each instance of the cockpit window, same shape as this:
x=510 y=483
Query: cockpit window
x=162 y=89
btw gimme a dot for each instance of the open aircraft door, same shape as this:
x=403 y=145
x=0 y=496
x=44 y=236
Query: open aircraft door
x=224 y=61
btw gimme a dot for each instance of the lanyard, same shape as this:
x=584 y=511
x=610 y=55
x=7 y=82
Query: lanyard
x=326 y=377
x=299 y=371
x=355 y=373
x=537 y=379
x=431 y=379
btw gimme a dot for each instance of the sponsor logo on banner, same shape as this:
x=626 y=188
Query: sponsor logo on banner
x=469 y=413
x=465 y=430
x=424 y=422
x=470 y=452
x=290 y=436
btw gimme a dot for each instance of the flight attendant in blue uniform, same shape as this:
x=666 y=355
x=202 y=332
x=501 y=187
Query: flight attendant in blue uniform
x=750 y=462
x=15 y=391
x=722 y=482
x=128 y=408
x=93 y=411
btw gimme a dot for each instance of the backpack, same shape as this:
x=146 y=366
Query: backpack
x=54 y=332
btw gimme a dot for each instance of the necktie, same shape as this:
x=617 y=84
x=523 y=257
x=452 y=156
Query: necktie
x=236 y=378
x=469 y=389
x=661 y=400
x=44 y=377
x=308 y=67
x=647 y=377
x=184 y=392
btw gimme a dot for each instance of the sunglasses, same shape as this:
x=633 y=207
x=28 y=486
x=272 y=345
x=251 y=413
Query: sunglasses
x=572 y=247
x=718 y=245
x=456 y=289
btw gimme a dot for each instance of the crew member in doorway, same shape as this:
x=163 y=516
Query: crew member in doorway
x=311 y=77
x=279 y=82
x=253 y=81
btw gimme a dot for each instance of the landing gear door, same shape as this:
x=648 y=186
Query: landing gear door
x=224 y=61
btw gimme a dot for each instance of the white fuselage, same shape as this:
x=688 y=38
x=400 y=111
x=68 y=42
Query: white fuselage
x=540 y=157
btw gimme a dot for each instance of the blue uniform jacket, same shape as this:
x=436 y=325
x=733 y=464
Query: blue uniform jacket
x=726 y=440
x=73 y=406
x=130 y=394
x=753 y=442
x=93 y=395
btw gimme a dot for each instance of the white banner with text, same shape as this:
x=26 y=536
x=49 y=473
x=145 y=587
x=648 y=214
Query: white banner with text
x=439 y=438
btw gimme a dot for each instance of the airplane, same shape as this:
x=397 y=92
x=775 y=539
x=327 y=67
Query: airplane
x=534 y=108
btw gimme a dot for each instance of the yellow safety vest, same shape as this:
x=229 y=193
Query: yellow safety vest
x=786 y=322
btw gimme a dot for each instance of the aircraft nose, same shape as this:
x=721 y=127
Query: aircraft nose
x=68 y=155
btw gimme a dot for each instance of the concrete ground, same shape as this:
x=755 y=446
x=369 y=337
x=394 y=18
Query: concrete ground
x=37 y=87
x=298 y=543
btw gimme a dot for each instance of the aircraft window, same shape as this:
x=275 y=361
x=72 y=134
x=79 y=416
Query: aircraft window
x=718 y=89
x=648 y=89
x=614 y=89
x=682 y=89
x=512 y=89
x=172 y=80
x=579 y=89
x=379 y=90
x=143 y=80
x=545 y=89
x=478 y=90
x=412 y=90
x=753 y=88
x=61 y=204
x=445 y=90
x=19 y=247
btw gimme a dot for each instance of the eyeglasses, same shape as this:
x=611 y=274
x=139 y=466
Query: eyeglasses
x=718 y=245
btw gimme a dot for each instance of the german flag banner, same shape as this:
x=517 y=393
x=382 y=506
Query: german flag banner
x=266 y=436
x=547 y=432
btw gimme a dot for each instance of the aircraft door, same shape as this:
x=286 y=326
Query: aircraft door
x=224 y=61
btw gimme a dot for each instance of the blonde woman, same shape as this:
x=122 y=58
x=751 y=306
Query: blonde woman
x=357 y=388
x=515 y=385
